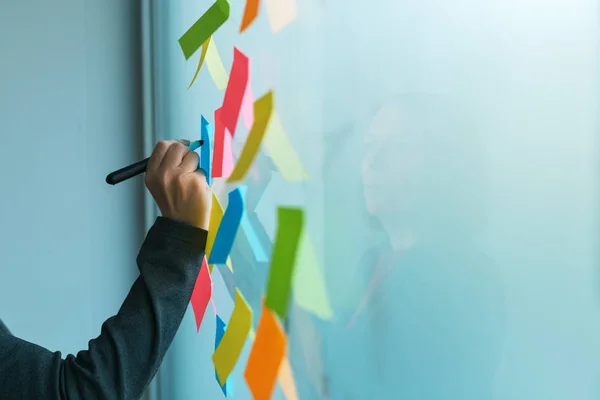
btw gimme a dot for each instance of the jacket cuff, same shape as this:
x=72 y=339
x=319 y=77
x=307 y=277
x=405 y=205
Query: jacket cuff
x=179 y=230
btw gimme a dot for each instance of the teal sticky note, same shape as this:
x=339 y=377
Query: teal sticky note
x=228 y=228
x=205 y=152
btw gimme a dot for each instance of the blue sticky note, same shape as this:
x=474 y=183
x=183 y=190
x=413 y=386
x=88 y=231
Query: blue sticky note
x=228 y=228
x=257 y=248
x=205 y=151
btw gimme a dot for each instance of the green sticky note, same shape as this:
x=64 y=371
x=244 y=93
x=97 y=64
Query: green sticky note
x=283 y=259
x=310 y=291
x=202 y=29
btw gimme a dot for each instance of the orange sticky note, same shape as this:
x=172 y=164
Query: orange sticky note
x=250 y=14
x=265 y=357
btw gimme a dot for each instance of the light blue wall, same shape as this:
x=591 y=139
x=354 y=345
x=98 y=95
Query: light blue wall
x=504 y=209
x=70 y=112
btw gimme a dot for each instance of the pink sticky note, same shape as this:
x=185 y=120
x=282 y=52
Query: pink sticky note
x=248 y=106
x=212 y=301
x=227 y=155
x=202 y=293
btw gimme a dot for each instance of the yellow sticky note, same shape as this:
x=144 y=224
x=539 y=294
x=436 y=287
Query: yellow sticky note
x=310 y=292
x=201 y=61
x=262 y=114
x=267 y=353
x=215 y=66
x=286 y=380
x=216 y=214
x=229 y=349
x=281 y=13
x=282 y=153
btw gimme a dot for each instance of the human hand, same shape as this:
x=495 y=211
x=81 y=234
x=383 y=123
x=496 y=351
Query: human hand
x=178 y=187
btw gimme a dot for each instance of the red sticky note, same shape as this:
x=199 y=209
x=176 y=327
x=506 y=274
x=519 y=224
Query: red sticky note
x=202 y=293
x=236 y=87
x=222 y=162
x=218 y=145
x=266 y=356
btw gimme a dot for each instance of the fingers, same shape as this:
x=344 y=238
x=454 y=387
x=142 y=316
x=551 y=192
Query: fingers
x=190 y=162
x=158 y=154
x=174 y=156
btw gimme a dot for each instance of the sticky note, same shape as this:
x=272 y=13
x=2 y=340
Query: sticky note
x=218 y=337
x=256 y=245
x=215 y=66
x=201 y=294
x=214 y=307
x=250 y=14
x=201 y=61
x=218 y=146
x=310 y=292
x=282 y=153
x=248 y=106
x=204 y=27
x=260 y=254
x=265 y=357
x=234 y=94
x=227 y=155
x=260 y=231
x=222 y=155
x=263 y=108
x=281 y=13
x=228 y=352
x=216 y=215
x=228 y=228
x=289 y=229
x=285 y=377
x=205 y=157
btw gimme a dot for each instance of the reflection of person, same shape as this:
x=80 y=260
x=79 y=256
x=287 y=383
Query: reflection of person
x=430 y=321
x=121 y=362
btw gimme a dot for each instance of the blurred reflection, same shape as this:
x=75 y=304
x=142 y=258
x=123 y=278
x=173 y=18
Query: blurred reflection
x=429 y=321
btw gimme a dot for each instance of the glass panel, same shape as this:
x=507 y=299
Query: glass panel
x=452 y=153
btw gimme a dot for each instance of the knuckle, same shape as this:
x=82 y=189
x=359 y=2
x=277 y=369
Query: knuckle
x=163 y=180
x=180 y=180
x=196 y=184
x=162 y=145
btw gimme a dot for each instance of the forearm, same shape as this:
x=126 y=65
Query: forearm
x=123 y=359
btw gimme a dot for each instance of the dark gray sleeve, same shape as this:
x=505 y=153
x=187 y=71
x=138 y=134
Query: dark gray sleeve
x=121 y=362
